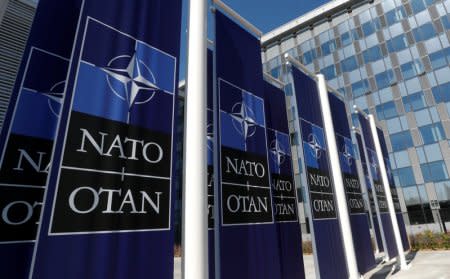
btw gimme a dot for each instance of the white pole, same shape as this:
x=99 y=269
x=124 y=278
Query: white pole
x=195 y=230
x=398 y=241
x=344 y=219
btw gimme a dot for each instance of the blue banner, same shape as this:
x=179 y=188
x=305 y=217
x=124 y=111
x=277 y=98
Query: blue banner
x=284 y=193
x=210 y=167
x=368 y=184
x=395 y=198
x=356 y=206
x=326 y=229
x=377 y=184
x=107 y=211
x=29 y=130
x=248 y=246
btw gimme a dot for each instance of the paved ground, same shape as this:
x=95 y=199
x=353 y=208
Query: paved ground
x=424 y=265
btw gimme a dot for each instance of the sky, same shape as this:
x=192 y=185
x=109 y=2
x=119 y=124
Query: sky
x=266 y=15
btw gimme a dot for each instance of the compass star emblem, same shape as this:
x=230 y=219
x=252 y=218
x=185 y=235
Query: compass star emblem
x=136 y=79
x=244 y=120
x=314 y=143
x=276 y=150
x=374 y=162
x=346 y=153
x=55 y=97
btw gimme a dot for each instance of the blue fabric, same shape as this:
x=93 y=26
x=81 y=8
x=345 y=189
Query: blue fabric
x=105 y=32
x=358 y=219
x=327 y=233
x=33 y=115
x=280 y=165
x=247 y=250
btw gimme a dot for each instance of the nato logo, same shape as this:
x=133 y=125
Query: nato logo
x=124 y=79
x=279 y=152
x=314 y=146
x=242 y=119
x=40 y=98
x=210 y=137
x=346 y=153
x=373 y=164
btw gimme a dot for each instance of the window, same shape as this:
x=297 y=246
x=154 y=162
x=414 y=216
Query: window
x=401 y=141
x=349 y=64
x=441 y=93
x=404 y=177
x=328 y=47
x=329 y=72
x=438 y=59
x=446 y=22
x=433 y=172
x=411 y=69
x=417 y=6
x=395 y=15
x=414 y=102
x=386 y=110
x=309 y=56
x=424 y=32
x=432 y=133
x=368 y=28
x=398 y=43
x=355 y=34
x=346 y=39
x=384 y=79
x=372 y=54
x=360 y=88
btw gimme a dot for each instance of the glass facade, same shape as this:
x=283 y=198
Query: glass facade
x=391 y=58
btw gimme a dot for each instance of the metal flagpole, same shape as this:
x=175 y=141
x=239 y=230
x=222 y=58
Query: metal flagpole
x=195 y=207
x=387 y=190
x=341 y=200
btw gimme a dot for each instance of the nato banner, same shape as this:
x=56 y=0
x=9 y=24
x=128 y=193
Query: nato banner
x=284 y=193
x=394 y=193
x=108 y=204
x=355 y=201
x=210 y=167
x=368 y=184
x=29 y=130
x=248 y=246
x=326 y=231
x=377 y=184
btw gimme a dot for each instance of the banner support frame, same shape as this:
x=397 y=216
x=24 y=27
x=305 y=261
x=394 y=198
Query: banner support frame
x=364 y=188
x=341 y=200
x=301 y=162
x=374 y=194
x=401 y=261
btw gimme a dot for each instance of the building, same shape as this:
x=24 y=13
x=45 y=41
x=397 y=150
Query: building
x=16 y=17
x=391 y=58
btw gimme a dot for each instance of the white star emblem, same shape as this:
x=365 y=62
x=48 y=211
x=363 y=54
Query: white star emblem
x=55 y=97
x=314 y=143
x=374 y=162
x=136 y=78
x=276 y=150
x=243 y=120
x=348 y=157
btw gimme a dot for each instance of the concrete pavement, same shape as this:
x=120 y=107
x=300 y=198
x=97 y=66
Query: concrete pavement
x=424 y=265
